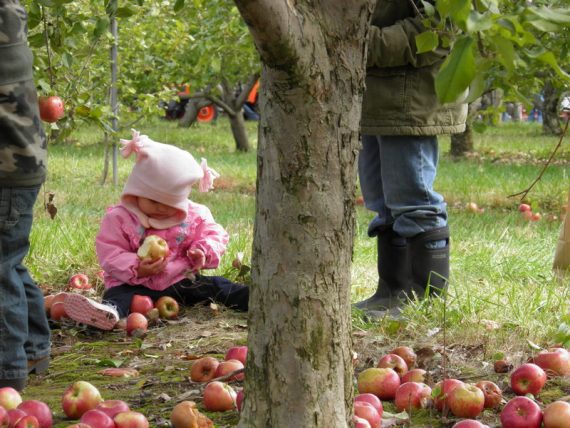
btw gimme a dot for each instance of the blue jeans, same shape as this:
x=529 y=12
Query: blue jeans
x=24 y=329
x=396 y=177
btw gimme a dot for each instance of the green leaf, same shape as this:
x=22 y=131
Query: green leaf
x=506 y=52
x=477 y=88
x=178 y=5
x=457 y=71
x=429 y=10
x=108 y=362
x=458 y=10
x=426 y=41
x=479 y=22
x=550 y=59
x=533 y=345
x=67 y=59
x=125 y=12
x=561 y=16
x=544 y=26
x=101 y=26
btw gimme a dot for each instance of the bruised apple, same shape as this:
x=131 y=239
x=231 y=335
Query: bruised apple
x=204 y=369
x=219 y=397
x=229 y=366
x=492 y=392
x=153 y=247
x=394 y=362
x=186 y=415
x=412 y=395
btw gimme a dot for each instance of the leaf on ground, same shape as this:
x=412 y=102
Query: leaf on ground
x=206 y=333
x=119 y=372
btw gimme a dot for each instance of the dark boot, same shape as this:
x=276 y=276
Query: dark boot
x=393 y=272
x=429 y=266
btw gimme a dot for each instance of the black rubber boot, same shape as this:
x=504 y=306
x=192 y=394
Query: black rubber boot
x=429 y=266
x=393 y=273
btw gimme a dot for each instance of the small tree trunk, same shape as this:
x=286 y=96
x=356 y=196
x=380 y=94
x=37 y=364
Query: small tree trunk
x=462 y=143
x=550 y=119
x=237 y=124
x=191 y=112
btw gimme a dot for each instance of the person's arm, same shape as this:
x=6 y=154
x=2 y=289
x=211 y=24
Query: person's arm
x=395 y=46
x=209 y=238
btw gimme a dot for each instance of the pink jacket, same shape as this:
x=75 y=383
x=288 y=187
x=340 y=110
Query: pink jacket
x=121 y=234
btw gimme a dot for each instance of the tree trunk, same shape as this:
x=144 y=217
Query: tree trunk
x=191 y=111
x=461 y=144
x=237 y=124
x=299 y=368
x=550 y=118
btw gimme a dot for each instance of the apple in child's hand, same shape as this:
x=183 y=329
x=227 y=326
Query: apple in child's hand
x=367 y=411
x=39 y=410
x=555 y=361
x=96 y=418
x=528 y=379
x=153 y=247
x=51 y=108
x=136 y=324
x=9 y=398
x=167 y=307
x=204 y=369
x=466 y=401
x=141 y=304
x=492 y=392
x=27 y=421
x=521 y=412
x=412 y=395
x=226 y=367
x=130 y=419
x=237 y=353
x=219 y=397
x=469 y=423
x=394 y=362
x=79 y=281
x=112 y=407
x=557 y=415
x=80 y=397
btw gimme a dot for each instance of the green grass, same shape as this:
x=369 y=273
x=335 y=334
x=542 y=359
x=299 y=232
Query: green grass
x=501 y=265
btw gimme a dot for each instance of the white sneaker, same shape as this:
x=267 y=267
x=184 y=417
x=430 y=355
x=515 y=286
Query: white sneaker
x=87 y=311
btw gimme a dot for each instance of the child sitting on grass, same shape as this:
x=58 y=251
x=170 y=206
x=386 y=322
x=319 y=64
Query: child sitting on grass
x=155 y=202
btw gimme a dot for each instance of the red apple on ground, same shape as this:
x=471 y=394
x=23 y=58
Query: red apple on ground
x=136 y=322
x=48 y=301
x=167 y=307
x=469 y=423
x=415 y=375
x=555 y=361
x=4 y=419
x=9 y=398
x=557 y=415
x=237 y=353
x=204 y=369
x=524 y=207
x=407 y=354
x=502 y=366
x=153 y=247
x=27 y=421
x=441 y=391
x=80 y=425
x=14 y=415
x=80 y=397
x=466 y=401
x=372 y=399
x=521 y=412
x=39 y=410
x=96 y=418
x=141 y=304
x=131 y=419
x=219 y=397
x=412 y=395
x=536 y=216
x=79 y=281
x=57 y=311
x=226 y=367
x=51 y=108
x=381 y=382
x=367 y=411
x=395 y=362
x=112 y=407
x=528 y=379
x=360 y=422
x=492 y=392
x=239 y=399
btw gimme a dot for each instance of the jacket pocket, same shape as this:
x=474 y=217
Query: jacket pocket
x=385 y=95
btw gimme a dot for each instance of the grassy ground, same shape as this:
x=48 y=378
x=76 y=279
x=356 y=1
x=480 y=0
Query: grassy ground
x=503 y=299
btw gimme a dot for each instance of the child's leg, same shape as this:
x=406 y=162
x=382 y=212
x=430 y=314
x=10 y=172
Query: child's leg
x=87 y=311
x=212 y=288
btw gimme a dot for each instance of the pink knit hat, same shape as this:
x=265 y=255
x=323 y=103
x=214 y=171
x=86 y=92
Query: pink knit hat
x=165 y=174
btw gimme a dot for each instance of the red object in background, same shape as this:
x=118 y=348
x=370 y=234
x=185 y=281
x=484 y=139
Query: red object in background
x=207 y=114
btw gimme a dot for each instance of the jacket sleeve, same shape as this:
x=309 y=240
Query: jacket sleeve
x=211 y=238
x=395 y=46
x=115 y=252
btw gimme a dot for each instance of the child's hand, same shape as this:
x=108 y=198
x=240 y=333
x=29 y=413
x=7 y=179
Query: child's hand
x=148 y=267
x=198 y=259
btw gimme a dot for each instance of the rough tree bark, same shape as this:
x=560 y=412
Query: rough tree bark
x=550 y=113
x=299 y=368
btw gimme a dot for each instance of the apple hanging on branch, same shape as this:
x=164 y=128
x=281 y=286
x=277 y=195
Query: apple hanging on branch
x=51 y=108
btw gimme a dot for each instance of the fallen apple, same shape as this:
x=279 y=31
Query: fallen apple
x=536 y=216
x=528 y=379
x=14 y=415
x=360 y=422
x=556 y=415
x=186 y=415
x=469 y=423
x=407 y=354
x=79 y=281
x=524 y=207
x=372 y=399
x=415 y=375
x=57 y=311
x=141 y=304
x=555 y=361
x=153 y=247
x=51 y=108
x=136 y=323
x=97 y=418
x=412 y=396
x=395 y=362
x=80 y=397
x=204 y=369
x=382 y=382
x=229 y=366
x=167 y=307
x=39 y=410
x=521 y=412
x=112 y=407
x=219 y=397
x=365 y=410
x=237 y=353
x=131 y=419
x=492 y=392
x=27 y=421
x=502 y=366
x=441 y=391
x=239 y=399
x=4 y=419
x=466 y=401
x=9 y=398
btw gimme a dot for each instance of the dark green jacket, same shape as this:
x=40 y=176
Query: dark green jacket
x=22 y=139
x=400 y=96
